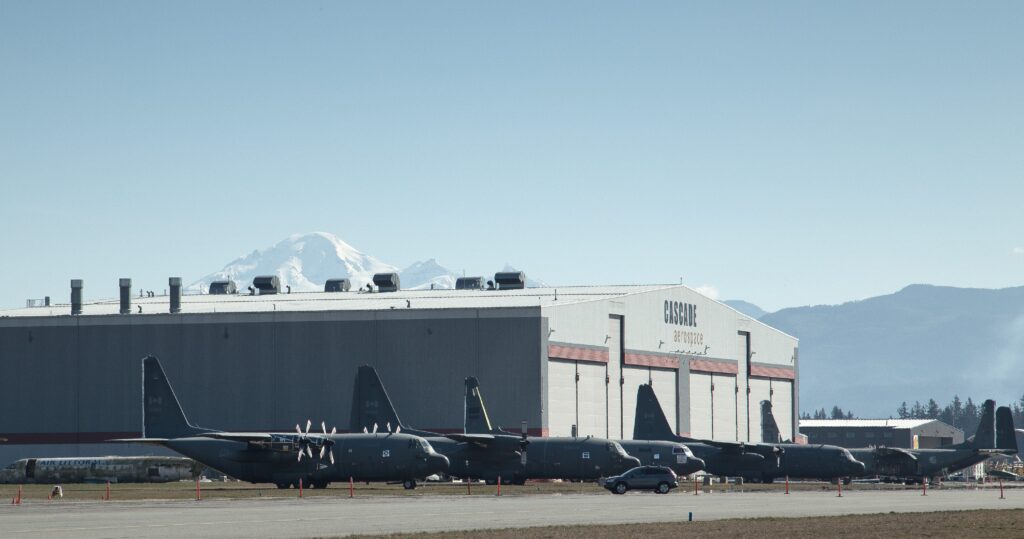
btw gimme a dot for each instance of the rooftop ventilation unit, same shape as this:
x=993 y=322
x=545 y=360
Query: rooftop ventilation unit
x=469 y=283
x=387 y=282
x=267 y=284
x=223 y=287
x=174 y=283
x=510 y=280
x=76 y=296
x=337 y=285
x=126 y=295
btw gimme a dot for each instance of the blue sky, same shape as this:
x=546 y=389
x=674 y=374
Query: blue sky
x=784 y=153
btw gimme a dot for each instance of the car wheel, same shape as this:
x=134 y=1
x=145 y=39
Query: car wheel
x=663 y=488
x=621 y=488
x=409 y=484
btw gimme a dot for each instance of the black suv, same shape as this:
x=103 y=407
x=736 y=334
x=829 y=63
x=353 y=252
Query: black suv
x=657 y=478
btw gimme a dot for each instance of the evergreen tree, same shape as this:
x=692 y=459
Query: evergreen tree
x=917 y=412
x=971 y=418
x=933 y=409
x=837 y=413
x=903 y=411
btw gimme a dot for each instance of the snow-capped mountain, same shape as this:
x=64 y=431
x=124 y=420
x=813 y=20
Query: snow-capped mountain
x=306 y=261
x=302 y=261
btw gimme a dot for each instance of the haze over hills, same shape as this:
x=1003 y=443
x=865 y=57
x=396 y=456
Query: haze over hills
x=919 y=343
x=306 y=261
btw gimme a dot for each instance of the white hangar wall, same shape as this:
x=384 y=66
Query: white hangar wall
x=710 y=366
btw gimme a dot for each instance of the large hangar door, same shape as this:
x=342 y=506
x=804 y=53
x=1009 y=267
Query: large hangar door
x=782 y=406
x=615 y=378
x=591 y=398
x=561 y=397
x=724 y=407
x=759 y=391
x=700 y=405
x=634 y=377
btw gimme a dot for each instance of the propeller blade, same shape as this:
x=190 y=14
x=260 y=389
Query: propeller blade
x=297 y=429
x=398 y=429
x=334 y=430
x=375 y=428
x=308 y=424
x=309 y=451
x=389 y=426
x=323 y=448
x=300 y=455
x=364 y=430
x=332 y=456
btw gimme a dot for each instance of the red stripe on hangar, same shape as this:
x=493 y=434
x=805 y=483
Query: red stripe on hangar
x=651 y=359
x=771 y=371
x=707 y=365
x=576 y=352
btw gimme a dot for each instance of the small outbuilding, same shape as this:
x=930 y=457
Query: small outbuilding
x=905 y=433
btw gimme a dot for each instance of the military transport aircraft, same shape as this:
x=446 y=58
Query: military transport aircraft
x=915 y=465
x=649 y=452
x=100 y=469
x=751 y=461
x=277 y=457
x=486 y=456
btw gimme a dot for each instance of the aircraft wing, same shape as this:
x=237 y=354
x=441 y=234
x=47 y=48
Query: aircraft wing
x=239 y=436
x=486 y=441
x=895 y=452
x=156 y=441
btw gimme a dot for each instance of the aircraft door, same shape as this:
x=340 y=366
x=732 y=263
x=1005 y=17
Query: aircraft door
x=30 y=469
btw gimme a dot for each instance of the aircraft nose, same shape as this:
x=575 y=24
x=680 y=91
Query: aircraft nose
x=699 y=463
x=857 y=467
x=437 y=462
x=631 y=462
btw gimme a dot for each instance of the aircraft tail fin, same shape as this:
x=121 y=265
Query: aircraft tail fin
x=371 y=404
x=985 y=437
x=650 y=422
x=162 y=416
x=1006 y=435
x=476 y=420
x=769 y=428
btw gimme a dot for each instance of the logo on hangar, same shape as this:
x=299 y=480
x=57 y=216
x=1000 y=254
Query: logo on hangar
x=680 y=314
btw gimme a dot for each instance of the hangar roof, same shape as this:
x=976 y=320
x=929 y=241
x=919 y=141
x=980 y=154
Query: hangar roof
x=352 y=301
x=892 y=423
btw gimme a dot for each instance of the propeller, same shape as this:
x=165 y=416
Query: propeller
x=328 y=442
x=303 y=440
x=325 y=441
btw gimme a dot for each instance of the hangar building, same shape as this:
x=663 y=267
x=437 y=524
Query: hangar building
x=906 y=433
x=554 y=357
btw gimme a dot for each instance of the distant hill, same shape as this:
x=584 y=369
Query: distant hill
x=746 y=308
x=919 y=343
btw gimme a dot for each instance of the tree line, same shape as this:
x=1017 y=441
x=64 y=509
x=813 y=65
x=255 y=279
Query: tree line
x=964 y=415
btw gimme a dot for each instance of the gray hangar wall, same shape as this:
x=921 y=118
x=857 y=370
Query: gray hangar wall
x=68 y=383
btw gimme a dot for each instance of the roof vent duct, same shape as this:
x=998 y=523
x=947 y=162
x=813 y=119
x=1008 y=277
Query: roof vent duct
x=510 y=280
x=469 y=283
x=267 y=284
x=175 y=285
x=337 y=285
x=76 y=296
x=126 y=295
x=387 y=282
x=223 y=287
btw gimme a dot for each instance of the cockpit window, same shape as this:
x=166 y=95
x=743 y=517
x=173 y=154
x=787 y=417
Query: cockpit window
x=425 y=446
x=616 y=448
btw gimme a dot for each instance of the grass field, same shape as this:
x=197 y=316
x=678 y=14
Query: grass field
x=227 y=490
x=988 y=524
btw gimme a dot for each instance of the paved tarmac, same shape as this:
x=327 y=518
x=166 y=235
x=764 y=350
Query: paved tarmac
x=291 y=517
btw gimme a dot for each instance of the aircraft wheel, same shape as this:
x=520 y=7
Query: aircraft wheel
x=491 y=481
x=409 y=484
x=767 y=479
x=847 y=480
x=663 y=488
x=282 y=485
x=620 y=488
